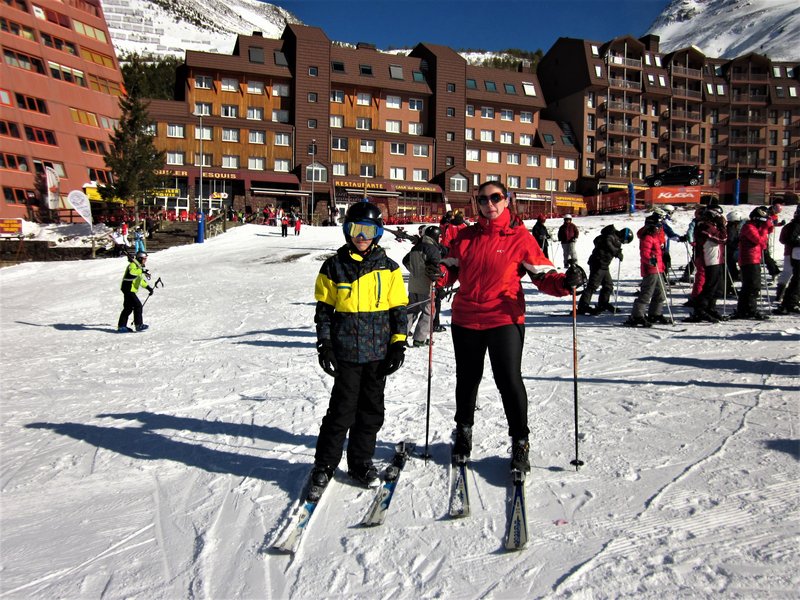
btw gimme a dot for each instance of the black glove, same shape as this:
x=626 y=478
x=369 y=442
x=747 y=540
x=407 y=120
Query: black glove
x=150 y=290
x=327 y=359
x=575 y=277
x=146 y=274
x=682 y=238
x=433 y=272
x=653 y=261
x=619 y=255
x=395 y=357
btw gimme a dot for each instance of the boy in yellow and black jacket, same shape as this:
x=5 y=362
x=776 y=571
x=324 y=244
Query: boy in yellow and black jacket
x=135 y=277
x=361 y=338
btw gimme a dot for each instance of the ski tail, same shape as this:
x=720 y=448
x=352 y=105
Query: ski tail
x=517 y=531
x=459 y=488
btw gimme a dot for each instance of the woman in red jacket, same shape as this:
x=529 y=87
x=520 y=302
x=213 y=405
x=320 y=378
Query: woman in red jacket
x=649 y=304
x=488 y=313
x=753 y=240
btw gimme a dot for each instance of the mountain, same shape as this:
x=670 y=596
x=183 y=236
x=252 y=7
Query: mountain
x=170 y=27
x=730 y=28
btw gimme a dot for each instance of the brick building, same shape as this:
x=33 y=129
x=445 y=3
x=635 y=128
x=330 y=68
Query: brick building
x=636 y=111
x=59 y=90
x=300 y=121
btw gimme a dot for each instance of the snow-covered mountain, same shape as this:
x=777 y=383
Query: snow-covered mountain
x=730 y=28
x=169 y=27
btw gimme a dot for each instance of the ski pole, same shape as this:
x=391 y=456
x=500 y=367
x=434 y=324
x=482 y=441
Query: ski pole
x=426 y=455
x=666 y=297
x=616 y=287
x=155 y=285
x=725 y=283
x=578 y=463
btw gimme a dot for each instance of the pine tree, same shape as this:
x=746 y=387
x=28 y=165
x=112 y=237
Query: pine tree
x=132 y=157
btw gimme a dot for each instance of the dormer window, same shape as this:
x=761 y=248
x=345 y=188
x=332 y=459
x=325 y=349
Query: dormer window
x=365 y=70
x=337 y=66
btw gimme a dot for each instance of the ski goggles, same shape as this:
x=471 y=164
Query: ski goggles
x=364 y=230
x=495 y=198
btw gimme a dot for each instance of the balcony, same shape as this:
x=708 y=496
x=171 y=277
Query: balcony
x=624 y=84
x=684 y=115
x=745 y=119
x=680 y=136
x=619 y=151
x=616 y=128
x=681 y=158
x=747 y=141
x=686 y=72
x=749 y=98
x=625 y=174
x=686 y=93
x=613 y=60
x=620 y=106
x=742 y=76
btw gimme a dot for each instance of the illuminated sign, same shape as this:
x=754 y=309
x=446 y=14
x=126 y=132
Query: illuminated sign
x=167 y=192
x=11 y=227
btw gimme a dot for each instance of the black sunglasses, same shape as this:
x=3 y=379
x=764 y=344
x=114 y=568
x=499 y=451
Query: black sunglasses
x=495 y=198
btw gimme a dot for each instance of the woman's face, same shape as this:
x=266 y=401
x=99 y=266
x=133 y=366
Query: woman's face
x=492 y=210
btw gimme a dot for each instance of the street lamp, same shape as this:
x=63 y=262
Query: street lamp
x=199 y=113
x=552 y=180
x=313 y=174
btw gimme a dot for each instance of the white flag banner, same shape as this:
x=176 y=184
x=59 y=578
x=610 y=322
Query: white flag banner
x=80 y=202
x=52 y=188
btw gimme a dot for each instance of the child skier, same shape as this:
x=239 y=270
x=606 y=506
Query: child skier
x=649 y=304
x=361 y=338
x=134 y=278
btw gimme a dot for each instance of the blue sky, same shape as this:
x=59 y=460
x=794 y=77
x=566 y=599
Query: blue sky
x=475 y=24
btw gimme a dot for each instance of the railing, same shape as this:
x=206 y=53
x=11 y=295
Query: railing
x=690 y=115
x=747 y=141
x=676 y=70
x=624 y=129
x=617 y=151
x=682 y=157
x=681 y=136
x=734 y=118
x=686 y=93
x=748 y=98
x=611 y=59
x=621 y=106
x=738 y=76
x=625 y=84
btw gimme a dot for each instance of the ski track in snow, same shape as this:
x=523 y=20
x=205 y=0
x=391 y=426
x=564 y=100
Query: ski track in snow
x=163 y=464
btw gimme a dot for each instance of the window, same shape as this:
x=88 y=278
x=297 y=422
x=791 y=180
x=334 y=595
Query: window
x=23 y=31
x=230 y=135
x=393 y=102
x=256 y=163
x=64 y=46
x=551 y=162
x=281 y=165
x=280 y=89
x=365 y=70
x=255 y=55
x=258 y=136
x=337 y=66
x=23 y=61
x=510 y=88
x=420 y=175
x=397 y=173
x=469 y=133
x=202 y=134
x=487 y=135
x=570 y=164
x=414 y=104
x=229 y=84
x=202 y=109
x=395 y=72
x=598 y=71
x=394 y=126
x=339 y=169
x=506 y=137
x=506 y=114
x=312 y=96
x=312 y=123
x=367 y=171
x=40 y=136
x=229 y=111
x=202 y=82
x=662 y=81
x=595 y=50
x=9 y=129
x=531 y=183
x=337 y=96
x=458 y=183
x=255 y=87
x=528 y=89
x=451 y=112
x=363 y=123
x=280 y=58
x=282 y=139
x=280 y=116
x=512 y=158
x=590 y=122
x=490 y=86
x=473 y=154
x=450 y=136
x=513 y=181
x=367 y=146
x=313 y=71
x=204 y=159
x=487 y=112
x=450 y=87
x=17 y=195
x=418 y=76
x=470 y=112
x=415 y=128
x=472 y=84
x=336 y=121
x=421 y=149
x=255 y=113
x=176 y=130
x=316 y=172
x=84 y=117
x=658 y=60
x=338 y=143
x=720 y=89
x=397 y=148
x=175 y=158
x=525 y=139
x=590 y=166
x=364 y=98
x=492 y=156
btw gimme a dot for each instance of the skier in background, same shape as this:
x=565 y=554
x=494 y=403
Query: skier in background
x=422 y=263
x=753 y=241
x=361 y=339
x=135 y=276
x=455 y=225
x=790 y=238
x=607 y=247
x=568 y=234
x=541 y=234
x=649 y=304
x=710 y=237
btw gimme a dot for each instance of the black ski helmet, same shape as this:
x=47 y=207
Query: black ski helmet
x=760 y=213
x=141 y=254
x=626 y=235
x=433 y=231
x=363 y=212
x=652 y=221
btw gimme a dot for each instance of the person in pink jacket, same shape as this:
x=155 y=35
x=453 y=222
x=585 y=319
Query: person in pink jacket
x=753 y=240
x=649 y=304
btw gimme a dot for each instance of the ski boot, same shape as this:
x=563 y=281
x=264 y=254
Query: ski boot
x=519 y=455
x=636 y=322
x=124 y=329
x=321 y=476
x=462 y=443
x=364 y=474
x=659 y=320
x=585 y=309
x=142 y=327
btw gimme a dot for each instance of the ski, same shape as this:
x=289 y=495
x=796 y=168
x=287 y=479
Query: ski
x=297 y=524
x=517 y=532
x=459 y=489
x=383 y=498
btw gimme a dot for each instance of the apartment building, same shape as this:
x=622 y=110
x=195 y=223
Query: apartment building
x=59 y=90
x=636 y=111
x=306 y=123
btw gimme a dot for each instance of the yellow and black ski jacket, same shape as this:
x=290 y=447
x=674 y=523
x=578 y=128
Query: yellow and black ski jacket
x=361 y=304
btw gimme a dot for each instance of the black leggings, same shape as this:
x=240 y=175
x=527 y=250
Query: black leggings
x=505 y=354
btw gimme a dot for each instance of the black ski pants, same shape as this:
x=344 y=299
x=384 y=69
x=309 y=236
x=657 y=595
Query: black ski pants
x=505 y=355
x=747 y=303
x=356 y=405
x=598 y=278
x=130 y=304
x=706 y=300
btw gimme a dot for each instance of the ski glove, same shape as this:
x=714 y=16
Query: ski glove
x=575 y=277
x=433 y=272
x=653 y=261
x=150 y=290
x=394 y=358
x=327 y=359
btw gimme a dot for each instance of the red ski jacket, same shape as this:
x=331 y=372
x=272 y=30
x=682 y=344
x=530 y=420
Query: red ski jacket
x=489 y=259
x=752 y=243
x=650 y=248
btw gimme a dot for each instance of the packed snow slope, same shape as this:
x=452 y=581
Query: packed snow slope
x=162 y=464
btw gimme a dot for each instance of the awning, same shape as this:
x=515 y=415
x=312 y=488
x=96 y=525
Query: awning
x=278 y=192
x=382 y=193
x=278 y=177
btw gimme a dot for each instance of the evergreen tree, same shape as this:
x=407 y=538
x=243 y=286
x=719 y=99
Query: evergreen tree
x=152 y=75
x=132 y=157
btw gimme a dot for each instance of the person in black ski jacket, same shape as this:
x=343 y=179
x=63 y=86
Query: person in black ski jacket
x=541 y=234
x=422 y=263
x=607 y=247
x=361 y=339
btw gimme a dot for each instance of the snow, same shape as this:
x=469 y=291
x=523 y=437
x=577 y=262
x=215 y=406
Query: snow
x=162 y=464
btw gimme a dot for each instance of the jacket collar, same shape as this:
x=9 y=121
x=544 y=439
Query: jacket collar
x=502 y=224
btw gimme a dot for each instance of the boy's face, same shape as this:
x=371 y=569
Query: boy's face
x=361 y=244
